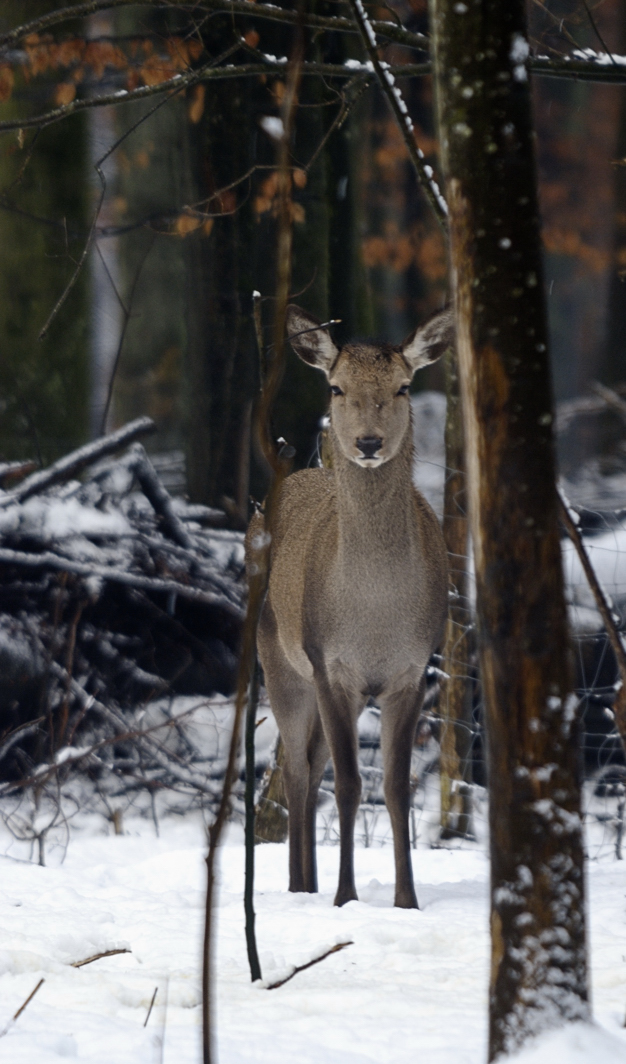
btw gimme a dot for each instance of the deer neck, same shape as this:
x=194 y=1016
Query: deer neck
x=375 y=507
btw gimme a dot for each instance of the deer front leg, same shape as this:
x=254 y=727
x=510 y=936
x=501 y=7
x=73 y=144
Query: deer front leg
x=399 y=717
x=339 y=713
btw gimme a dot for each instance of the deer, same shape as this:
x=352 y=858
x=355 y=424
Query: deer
x=357 y=594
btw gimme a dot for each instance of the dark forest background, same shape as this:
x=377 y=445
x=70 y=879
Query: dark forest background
x=163 y=308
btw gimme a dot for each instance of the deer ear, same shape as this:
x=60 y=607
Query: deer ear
x=430 y=341
x=310 y=342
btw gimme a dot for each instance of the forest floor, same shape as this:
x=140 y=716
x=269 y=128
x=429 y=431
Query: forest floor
x=412 y=986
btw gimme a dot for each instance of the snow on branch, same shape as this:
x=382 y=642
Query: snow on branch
x=114 y=594
x=395 y=99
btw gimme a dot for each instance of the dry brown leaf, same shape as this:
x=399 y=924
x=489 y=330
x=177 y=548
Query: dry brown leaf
x=196 y=104
x=299 y=178
x=298 y=213
x=64 y=93
x=186 y=223
x=278 y=91
x=252 y=38
x=6 y=83
x=207 y=227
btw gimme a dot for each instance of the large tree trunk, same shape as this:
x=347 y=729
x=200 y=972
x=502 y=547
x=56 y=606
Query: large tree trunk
x=539 y=976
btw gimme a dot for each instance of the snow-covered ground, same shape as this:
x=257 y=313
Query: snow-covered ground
x=412 y=986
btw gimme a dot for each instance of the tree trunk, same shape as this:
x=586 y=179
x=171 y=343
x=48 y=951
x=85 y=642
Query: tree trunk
x=616 y=325
x=222 y=356
x=538 y=973
x=456 y=699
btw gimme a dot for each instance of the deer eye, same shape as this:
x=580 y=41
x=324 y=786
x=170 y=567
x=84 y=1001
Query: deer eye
x=404 y=390
x=335 y=390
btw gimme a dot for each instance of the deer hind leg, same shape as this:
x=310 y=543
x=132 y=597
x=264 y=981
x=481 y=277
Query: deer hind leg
x=317 y=756
x=339 y=712
x=398 y=719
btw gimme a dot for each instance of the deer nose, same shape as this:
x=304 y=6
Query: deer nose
x=368 y=445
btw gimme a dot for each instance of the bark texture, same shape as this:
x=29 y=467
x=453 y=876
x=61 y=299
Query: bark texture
x=456 y=699
x=538 y=977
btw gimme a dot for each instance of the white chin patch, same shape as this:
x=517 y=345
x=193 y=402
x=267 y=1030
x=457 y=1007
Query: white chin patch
x=369 y=463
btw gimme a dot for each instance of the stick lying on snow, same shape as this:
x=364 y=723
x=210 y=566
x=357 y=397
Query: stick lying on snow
x=16 y=1015
x=99 y=956
x=309 y=964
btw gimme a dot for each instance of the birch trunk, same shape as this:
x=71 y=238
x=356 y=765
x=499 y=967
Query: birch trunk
x=538 y=975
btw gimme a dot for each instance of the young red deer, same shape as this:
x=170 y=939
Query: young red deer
x=357 y=594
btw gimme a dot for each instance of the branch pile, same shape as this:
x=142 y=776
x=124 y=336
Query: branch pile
x=113 y=595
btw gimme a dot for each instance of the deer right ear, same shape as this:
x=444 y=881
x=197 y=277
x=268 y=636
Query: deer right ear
x=431 y=340
x=309 y=340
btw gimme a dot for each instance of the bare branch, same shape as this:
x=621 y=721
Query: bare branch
x=48 y=560
x=99 y=956
x=183 y=81
x=583 y=65
x=309 y=964
x=604 y=609
x=236 y=7
x=398 y=107
x=19 y=1012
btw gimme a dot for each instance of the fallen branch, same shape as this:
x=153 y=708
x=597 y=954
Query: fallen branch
x=74 y=463
x=99 y=956
x=309 y=964
x=606 y=612
x=19 y=1012
x=158 y=496
x=48 y=560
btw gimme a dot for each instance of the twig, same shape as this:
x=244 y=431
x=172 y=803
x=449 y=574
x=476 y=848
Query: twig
x=156 y=990
x=19 y=733
x=99 y=956
x=126 y=311
x=398 y=107
x=610 y=397
x=19 y=1012
x=74 y=463
x=258 y=580
x=605 y=611
x=595 y=29
x=309 y=964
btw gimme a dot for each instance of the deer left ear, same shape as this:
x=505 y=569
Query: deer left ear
x=310 y=340
x=430 y=341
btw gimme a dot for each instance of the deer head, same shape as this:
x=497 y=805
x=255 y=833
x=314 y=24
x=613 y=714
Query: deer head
x=369 y=382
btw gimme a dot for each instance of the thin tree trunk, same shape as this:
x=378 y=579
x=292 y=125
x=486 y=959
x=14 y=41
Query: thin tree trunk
x=616 y=325
x=538 y=973
x=456 y=699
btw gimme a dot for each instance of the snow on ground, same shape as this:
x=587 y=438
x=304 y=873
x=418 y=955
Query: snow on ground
x=412 y=986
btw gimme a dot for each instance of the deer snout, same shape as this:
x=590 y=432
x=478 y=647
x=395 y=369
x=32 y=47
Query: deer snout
x=369 y=445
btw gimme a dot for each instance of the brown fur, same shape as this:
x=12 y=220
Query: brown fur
x=357 y=599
